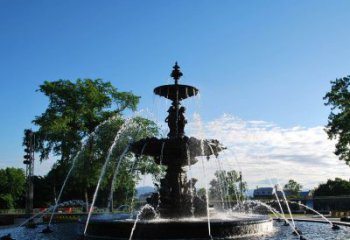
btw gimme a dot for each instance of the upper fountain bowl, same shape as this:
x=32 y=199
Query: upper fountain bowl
x=176 y=92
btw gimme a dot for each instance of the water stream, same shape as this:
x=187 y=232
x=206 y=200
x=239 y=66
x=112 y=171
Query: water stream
x=90 y=137
x=313 y=210
x=206 y=195
x=125 y=125
x=278 y=201
x=116 y=171
x=147 y=206
x=188 y=154
x=276 y=213
x=289 y=211
x=206 y=187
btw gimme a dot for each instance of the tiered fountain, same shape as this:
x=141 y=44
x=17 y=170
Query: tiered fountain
x=176 y=152
x=181 y=213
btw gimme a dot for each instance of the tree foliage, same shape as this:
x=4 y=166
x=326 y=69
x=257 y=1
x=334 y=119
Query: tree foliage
x=227 y=185
x=68 y=128
x=338 y=126
x=87 y=173
x=125 y=132
x=334 y=187
x=12 y=187
x=74 y=111
x=292 y=187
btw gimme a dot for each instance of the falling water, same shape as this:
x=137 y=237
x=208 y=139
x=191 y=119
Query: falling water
x=313 y=210
x=64 y=185
x=116 y=171
x=226 y=190
x=188 y=153
x=289 y=211
x=34 y=216
x=206 y=196
x=206 y=188
x=222 y=182
x=160 y=165
x=103 y=170
x=131 y=171
x=161 y=154
x=239 y=167
x=133 y=191
x=275 y=212
x=147 y=206
x=278 y=200
x=223 y=186
x=74 y=162
x=271 y=209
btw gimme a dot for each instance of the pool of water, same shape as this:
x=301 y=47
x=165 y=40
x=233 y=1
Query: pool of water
x=310 y=230
x=69 y=231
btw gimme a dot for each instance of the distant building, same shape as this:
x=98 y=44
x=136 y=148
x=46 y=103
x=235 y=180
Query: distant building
x=269 y=192
x=264 y=192
x=305 y=194
x=287 y=193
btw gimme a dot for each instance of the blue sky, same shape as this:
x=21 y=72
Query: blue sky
x=268 y=61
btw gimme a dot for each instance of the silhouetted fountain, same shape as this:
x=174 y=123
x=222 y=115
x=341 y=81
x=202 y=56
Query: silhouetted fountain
x=176 y=152
x=181 y=213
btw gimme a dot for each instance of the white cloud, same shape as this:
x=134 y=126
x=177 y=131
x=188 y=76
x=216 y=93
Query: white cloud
x=263 y=151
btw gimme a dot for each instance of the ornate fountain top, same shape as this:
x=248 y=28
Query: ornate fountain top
x=176 y=73
x=176 y=92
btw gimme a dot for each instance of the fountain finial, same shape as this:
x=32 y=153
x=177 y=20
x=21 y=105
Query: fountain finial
x=176 y=73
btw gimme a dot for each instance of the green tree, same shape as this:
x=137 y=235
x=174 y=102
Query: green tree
x=43 y=196
x=129 y=168
x=74 y=111
x=201 y=193
x=6 y=201
x=338 y=126
x=334 y=187
x=12 y=187
x=292 y=187
x=228 y=185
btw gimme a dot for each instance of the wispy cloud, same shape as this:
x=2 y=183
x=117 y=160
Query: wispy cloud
x=263 y=151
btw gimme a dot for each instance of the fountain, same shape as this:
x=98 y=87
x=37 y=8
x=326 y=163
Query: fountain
x=177 y=212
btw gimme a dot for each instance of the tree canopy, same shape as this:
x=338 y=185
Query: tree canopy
x=334 y=187
x=74 y=111
x=12 y=187
x=292 y=187
x=227 y=185
x=338 y=126
x=68 y=128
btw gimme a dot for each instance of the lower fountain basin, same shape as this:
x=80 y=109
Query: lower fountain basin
x=189 y=228
x=68 y=231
